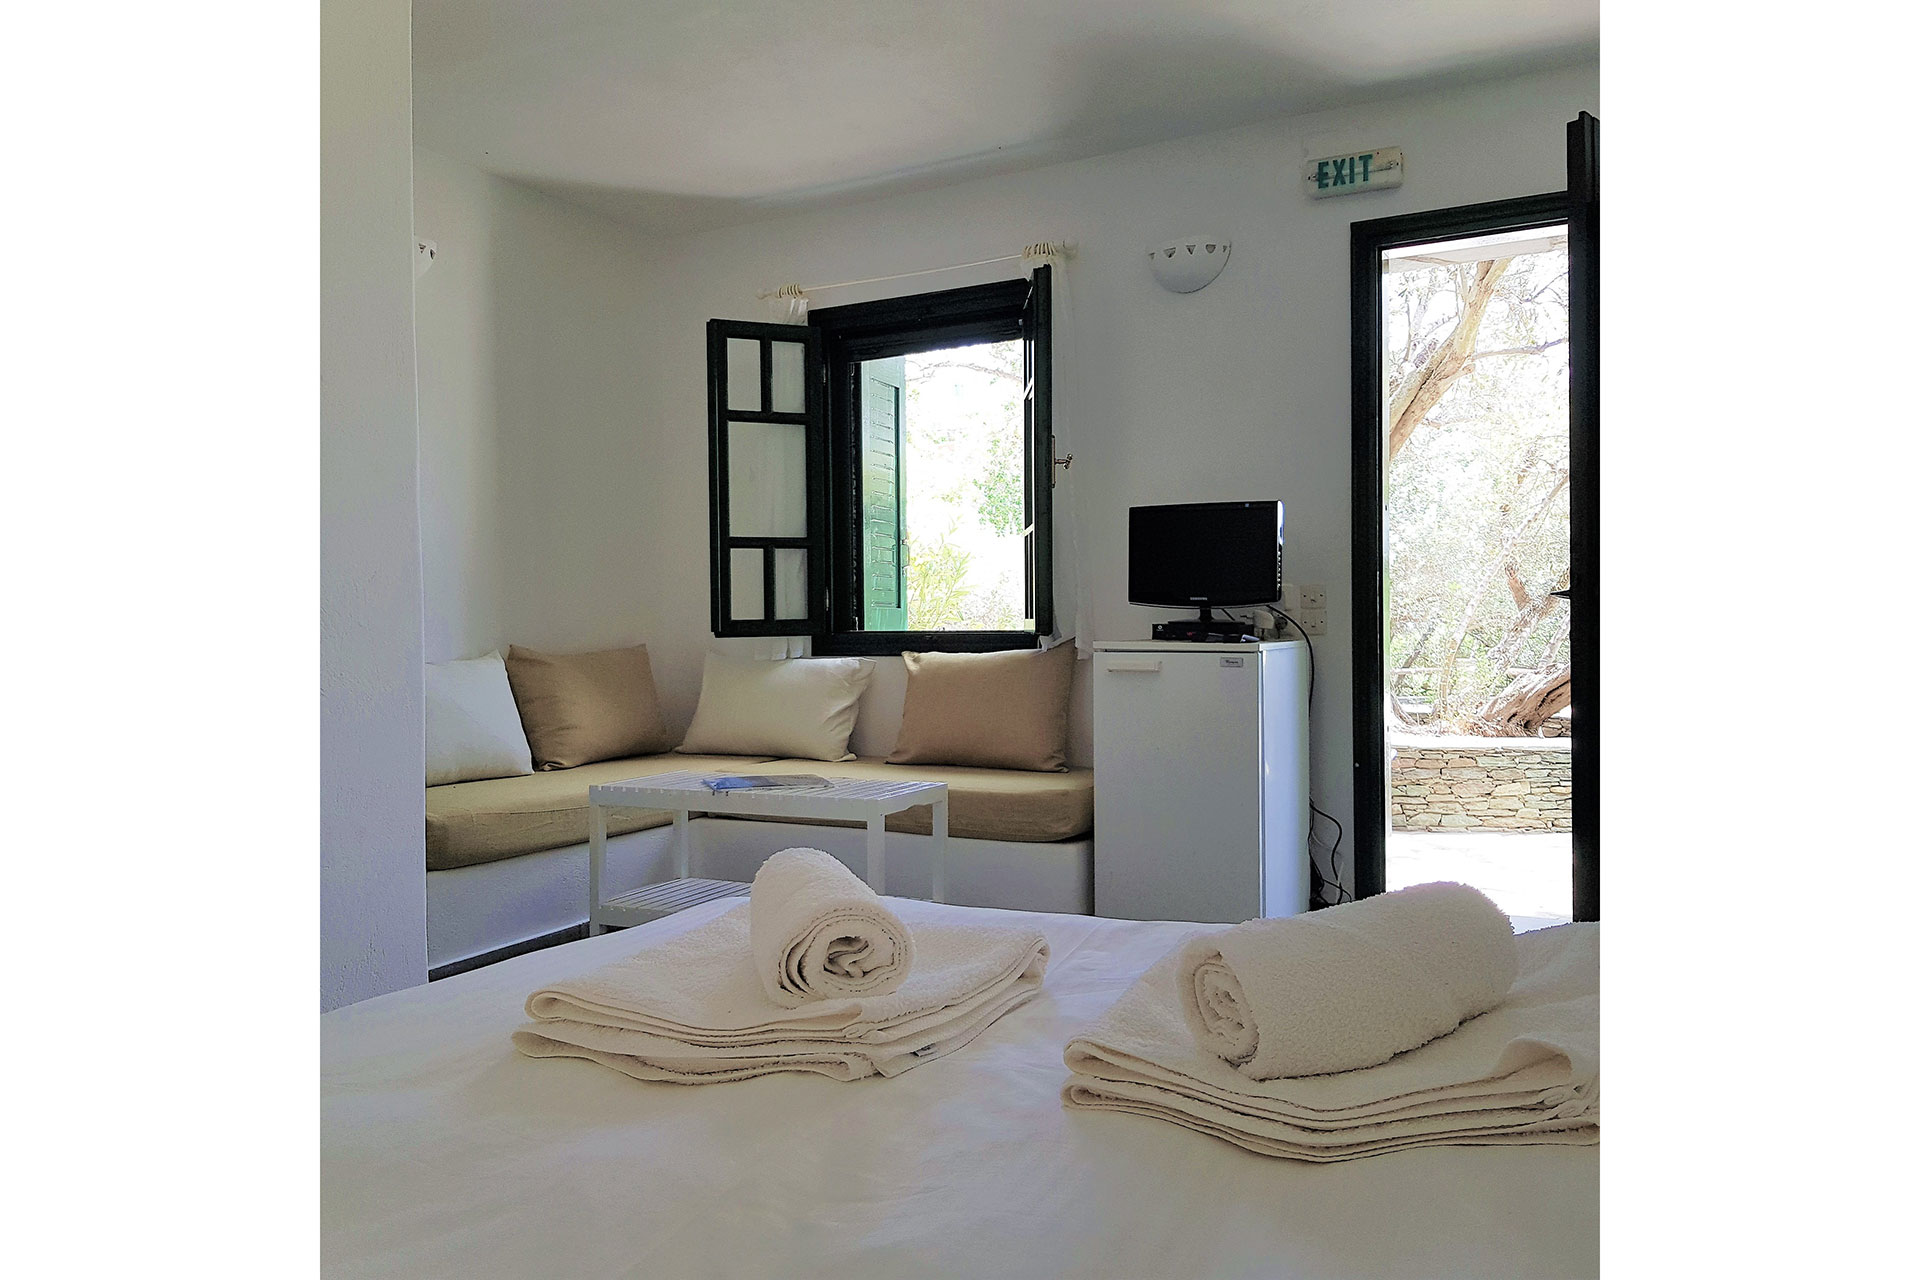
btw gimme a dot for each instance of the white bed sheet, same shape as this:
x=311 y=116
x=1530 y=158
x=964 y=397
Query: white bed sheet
x=445 y=1153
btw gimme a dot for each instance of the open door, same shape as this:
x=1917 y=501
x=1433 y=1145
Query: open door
x=1423 y=791
x=1583 y=425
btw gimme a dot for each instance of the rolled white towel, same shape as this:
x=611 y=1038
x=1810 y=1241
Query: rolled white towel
x=1349 y=986
x=819 y=933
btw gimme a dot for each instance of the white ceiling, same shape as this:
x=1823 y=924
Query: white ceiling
x=674 y=116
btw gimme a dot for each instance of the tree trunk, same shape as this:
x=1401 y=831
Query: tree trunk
x=1523 y=623
x=1419 y=650
x=1447 y=363
x=1443 y=686
x=1526 y=704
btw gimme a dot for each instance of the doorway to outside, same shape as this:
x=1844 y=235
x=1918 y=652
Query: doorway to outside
x=1478 y=661
x=1409 y=388
x=1466 y=489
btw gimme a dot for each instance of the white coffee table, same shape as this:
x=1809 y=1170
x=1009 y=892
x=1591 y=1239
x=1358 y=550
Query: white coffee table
x=683 y=793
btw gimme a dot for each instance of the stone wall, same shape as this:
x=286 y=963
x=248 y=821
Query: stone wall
x=1505 y=784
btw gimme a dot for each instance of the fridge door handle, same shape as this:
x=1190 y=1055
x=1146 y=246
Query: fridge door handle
x=1147 y=665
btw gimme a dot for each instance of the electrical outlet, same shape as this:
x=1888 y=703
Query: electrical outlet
x=1311 y=622
x=1313 y=596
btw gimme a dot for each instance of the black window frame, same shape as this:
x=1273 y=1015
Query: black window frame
x=996 y=312
x=721 y=541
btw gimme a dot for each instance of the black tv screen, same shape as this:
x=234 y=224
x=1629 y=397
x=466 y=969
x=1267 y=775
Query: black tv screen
x=1204 y=553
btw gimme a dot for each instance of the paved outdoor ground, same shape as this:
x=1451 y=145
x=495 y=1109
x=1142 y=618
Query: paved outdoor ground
x=1529 y=873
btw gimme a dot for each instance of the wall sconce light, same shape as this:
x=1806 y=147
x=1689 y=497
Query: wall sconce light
x=1186 y=263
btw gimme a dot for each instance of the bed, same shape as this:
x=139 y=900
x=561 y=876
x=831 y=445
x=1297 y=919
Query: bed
x=445 y=1153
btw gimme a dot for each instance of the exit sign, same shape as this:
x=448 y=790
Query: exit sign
x=1351 y=174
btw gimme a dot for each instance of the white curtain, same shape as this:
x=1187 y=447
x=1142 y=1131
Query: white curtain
x=1072 y=614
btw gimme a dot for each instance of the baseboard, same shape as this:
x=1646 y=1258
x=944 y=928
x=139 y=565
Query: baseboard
x=541 y=943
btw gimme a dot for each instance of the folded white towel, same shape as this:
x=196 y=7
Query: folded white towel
x=820 y=933
x=1349 y=986
x=691 y=1009
x=1526 y=1072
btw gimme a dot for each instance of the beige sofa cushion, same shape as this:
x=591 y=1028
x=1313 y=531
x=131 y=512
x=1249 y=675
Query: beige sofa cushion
x=581 y=707
x=982 y=804
x=992 y=710
x=474 y=822
x=785 y=707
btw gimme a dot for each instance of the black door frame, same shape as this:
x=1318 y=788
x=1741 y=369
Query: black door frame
x=1583 y=429
x=1370 y=240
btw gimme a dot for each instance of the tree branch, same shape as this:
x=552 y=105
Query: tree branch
x=1449 y=359
x=1517 y=586
x=1533 y=350
x=992 y=371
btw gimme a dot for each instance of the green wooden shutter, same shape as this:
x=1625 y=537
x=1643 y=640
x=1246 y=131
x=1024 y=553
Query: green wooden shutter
x=883 y=498
x=766 y=471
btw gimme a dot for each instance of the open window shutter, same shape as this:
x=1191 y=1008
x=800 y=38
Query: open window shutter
x=1036 y=329
x=882 y=496
x=766 y=467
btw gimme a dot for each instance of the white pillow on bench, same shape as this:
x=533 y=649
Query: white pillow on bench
x=794 y=707
x=473 y=724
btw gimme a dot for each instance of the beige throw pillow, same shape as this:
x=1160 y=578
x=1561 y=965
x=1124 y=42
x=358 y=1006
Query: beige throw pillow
x=582 y=707
x=799 y=707
x=991 y=710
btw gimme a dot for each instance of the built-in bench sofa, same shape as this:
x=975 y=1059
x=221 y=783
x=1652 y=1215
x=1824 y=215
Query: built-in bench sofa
x=507 y=857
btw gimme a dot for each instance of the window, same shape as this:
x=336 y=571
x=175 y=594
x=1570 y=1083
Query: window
x=882 y=476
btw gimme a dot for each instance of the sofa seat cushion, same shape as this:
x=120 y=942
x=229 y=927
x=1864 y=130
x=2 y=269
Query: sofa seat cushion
x=982 y=804
x=474 y=822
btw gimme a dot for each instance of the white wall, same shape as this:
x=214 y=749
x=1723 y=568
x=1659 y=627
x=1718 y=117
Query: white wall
x=373 y=904
x=536 y=426
x=1240 y=390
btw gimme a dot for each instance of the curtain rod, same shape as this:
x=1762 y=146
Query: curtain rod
x=1044 y=249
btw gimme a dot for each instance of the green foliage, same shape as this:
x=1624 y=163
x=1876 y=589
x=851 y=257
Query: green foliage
x=964 y=477
x=936 y=582
x=999 y=486
x=1479 y=488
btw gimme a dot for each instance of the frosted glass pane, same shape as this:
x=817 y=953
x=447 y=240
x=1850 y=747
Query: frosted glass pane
x=749 y=584
x=789 y=377
x=743 y=374
x=789 y=582
x=767 y=480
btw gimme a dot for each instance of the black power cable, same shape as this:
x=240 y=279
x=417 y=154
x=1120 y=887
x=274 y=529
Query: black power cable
x=1340 y=892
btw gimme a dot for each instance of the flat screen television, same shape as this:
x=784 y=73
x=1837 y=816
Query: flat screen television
x=1198 y=554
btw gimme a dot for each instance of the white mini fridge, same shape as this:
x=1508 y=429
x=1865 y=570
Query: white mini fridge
x=1200 y=780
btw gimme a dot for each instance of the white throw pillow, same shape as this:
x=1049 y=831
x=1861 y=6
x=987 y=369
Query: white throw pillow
x=473 y=726
x=802 y=707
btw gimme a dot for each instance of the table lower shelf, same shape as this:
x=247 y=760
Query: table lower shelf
x=652 y=901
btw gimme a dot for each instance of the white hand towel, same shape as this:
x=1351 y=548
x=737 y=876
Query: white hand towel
x=1349 y=986
x=819 y=933
x=1525 y=1073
